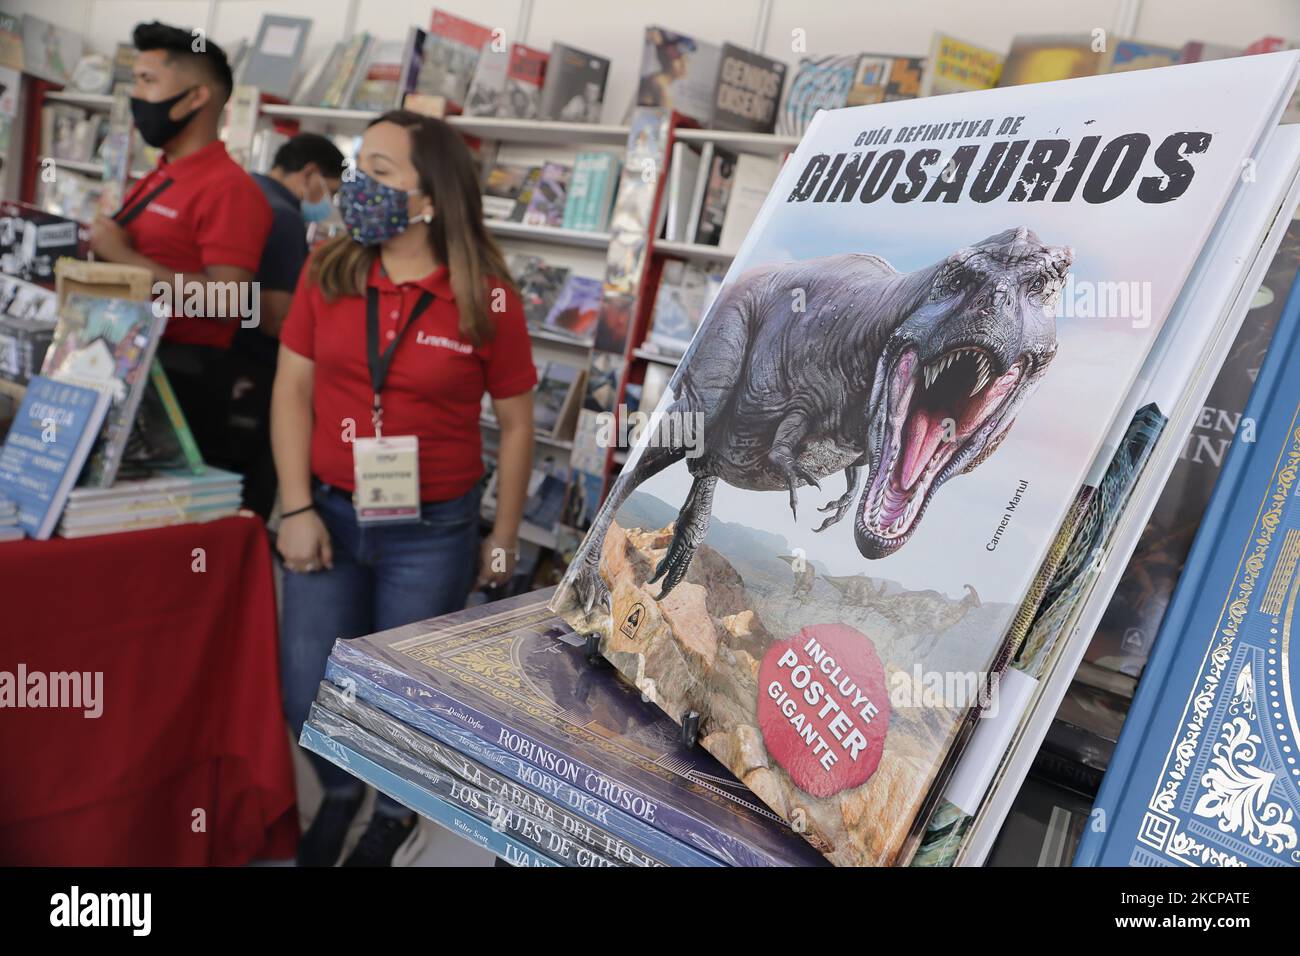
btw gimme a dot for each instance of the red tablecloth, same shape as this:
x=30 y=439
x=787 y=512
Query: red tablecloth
x=189 y=762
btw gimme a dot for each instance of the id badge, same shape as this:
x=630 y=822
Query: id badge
x=387 y=475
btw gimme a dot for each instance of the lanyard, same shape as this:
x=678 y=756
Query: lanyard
x=124 y=216
x=380 y=362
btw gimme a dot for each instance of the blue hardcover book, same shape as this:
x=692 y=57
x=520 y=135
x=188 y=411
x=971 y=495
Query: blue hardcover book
x=46 y=448
x=642 y=835
x=1205 y=772
x=464 y=825
x=514 y=675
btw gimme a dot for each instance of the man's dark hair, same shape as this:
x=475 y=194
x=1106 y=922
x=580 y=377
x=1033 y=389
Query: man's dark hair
x=310 y=148
x=179 y=45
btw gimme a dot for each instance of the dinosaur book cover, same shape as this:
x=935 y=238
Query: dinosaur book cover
x=821 y=539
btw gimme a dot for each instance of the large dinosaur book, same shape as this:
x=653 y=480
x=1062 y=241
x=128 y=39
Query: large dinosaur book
x=911 y=368
x=512 y=674
x=1205 y=772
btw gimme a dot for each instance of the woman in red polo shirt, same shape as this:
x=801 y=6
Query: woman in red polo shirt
x=396 y=330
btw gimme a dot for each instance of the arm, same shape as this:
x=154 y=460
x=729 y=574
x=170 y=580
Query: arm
x=303 y=540
x=112 y=243
x=515 y=466
x=274 y=307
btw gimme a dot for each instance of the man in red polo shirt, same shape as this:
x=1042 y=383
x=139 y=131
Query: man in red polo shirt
x=197 y=220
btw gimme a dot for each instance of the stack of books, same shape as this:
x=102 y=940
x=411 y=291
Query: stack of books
x=170 y=496
x=493 y=723
x=9 y=529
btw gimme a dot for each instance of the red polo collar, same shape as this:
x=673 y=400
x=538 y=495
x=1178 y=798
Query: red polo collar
x=437 y=282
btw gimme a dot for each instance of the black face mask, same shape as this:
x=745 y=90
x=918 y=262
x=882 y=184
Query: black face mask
x=154 y=121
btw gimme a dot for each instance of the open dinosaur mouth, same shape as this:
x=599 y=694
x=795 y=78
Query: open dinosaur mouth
x=935 y=412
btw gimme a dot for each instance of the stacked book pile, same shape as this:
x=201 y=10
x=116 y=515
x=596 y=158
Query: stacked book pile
x=493 y=723
x=9 y=530
x=171 y=496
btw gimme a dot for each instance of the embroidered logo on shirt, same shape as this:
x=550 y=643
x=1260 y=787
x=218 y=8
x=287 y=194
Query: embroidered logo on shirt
x=442 y=342
x=162 y=210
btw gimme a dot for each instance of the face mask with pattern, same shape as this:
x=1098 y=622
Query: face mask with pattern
x=375 y=212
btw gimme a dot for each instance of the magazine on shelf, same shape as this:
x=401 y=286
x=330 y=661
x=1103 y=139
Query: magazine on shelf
x=502 y=189
x=747 y=91
x=577 y=307
x=819 y=83
x=380 y=85
x=955 y=66
x=547 y=201
x=272 y=61
x=487 y=90
x=1136 y=55
x=525 y=75
x=883 y=78
x=1036 y=59
x=450 y=56
x=978 y=323
x=574 y=88
x=678 y=73
x=538 y=282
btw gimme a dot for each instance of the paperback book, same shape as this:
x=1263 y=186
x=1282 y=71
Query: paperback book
x=974 y=258
x=271 y=63
x=547 y=201
x=747 y=91
x=577 y=308
x=955 y=66
x=450 y=56
x=525 y=75
x=574 y=89
x=678 y=73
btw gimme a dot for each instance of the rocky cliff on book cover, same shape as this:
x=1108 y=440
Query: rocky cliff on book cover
x=821 y=538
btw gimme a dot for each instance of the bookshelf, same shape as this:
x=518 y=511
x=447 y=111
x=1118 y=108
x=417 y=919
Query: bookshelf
x=693 y=250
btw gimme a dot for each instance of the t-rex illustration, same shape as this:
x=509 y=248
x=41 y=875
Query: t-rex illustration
x=842 y=363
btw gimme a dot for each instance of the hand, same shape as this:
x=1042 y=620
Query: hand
x=108 y=240
x=304 y=543
x=496 y=562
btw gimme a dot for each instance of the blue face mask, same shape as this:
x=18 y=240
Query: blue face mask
x=317 y=211
x=374 y=212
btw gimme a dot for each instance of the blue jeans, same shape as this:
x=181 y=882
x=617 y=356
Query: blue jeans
x=384 y=576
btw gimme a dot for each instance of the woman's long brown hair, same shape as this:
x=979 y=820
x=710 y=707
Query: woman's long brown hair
x=457 y=235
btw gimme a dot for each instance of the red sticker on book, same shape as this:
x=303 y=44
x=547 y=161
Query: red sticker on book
x=823 y=707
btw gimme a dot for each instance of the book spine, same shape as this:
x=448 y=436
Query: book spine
x=412 y=742
x=1114 y=791
x=643 y=835
x=577 y=201
x=190 y=448
x=602 y=192
x=723 y=844
x=456 y=821
x=435 y=783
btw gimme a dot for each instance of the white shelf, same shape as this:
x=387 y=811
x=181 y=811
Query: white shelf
x=541 y=132
x=327 y=113
x=91 y=168
x=90 y=101
x=537 y=436
x=767 y=144
x=559 y=338
x=553 y=234
x=483 y=127
x=662 y=359
x=692 y=250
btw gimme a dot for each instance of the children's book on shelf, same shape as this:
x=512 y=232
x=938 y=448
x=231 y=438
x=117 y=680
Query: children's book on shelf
x=546 y=204
x=577 y=307
x=955 y=66
x=678 y=73
x=574 y=88
x=591 y=191
x=820 y=706
x=525 y=75
x=882 y=78
x=747 y=91
x=161 y=437
x=273 y=59
x=46 y=447
x=107 y=344
x=1136 y=55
